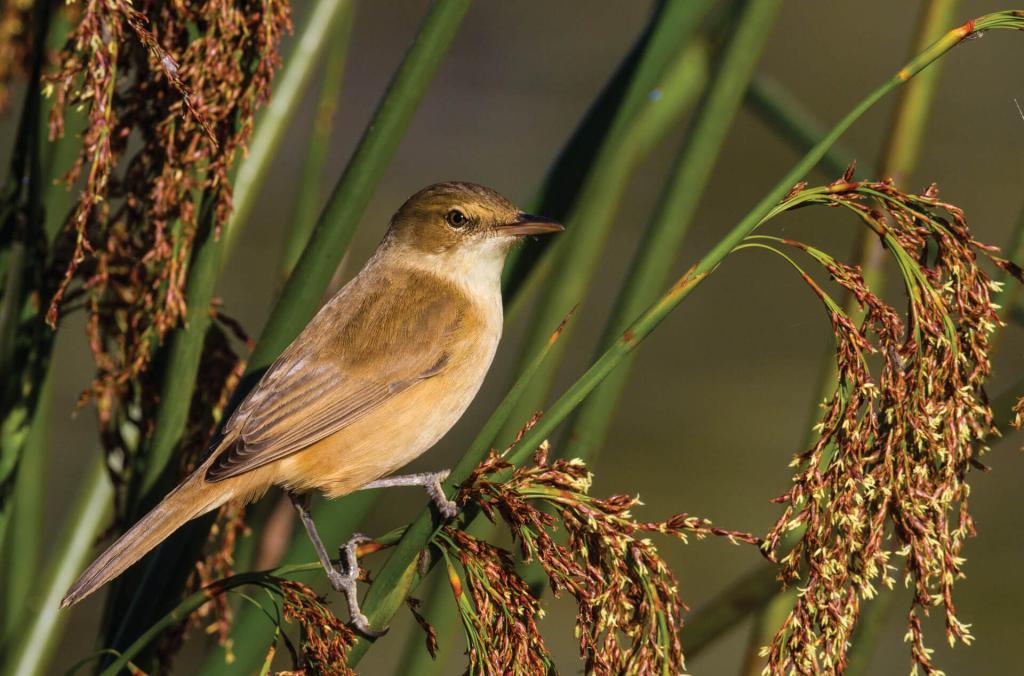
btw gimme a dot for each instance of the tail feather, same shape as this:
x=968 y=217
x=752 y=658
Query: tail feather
x=186 y=502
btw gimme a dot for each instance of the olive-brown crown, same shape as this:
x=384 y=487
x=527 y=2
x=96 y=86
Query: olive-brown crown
x=444 y=215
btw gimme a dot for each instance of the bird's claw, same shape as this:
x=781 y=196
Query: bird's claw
x=362 y=625
x=449 y=508
x=345 y=582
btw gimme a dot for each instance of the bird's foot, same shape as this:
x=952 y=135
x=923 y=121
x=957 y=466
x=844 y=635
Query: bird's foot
x=448 y=508
x=345 y=582
x=431 y=481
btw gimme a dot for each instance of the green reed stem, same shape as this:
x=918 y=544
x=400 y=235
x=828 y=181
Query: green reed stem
x=325 y=31
x=23 y=546
x=30 y=652
x=183 y=355
x=20 y=553
x=590 y=219
x=307 y=204
x=676 y=209
x=398 y=575
x=23 y=238
x=561 y=187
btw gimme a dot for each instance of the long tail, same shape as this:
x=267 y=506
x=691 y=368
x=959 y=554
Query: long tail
x=189 y=500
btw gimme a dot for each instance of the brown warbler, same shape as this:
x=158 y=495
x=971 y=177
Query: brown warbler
x=377 y=377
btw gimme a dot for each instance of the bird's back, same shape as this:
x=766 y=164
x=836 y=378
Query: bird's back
x=377 y=377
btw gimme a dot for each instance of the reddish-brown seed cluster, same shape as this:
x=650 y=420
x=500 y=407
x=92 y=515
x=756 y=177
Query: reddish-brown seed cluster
x=169 y=91
x=887 y=474
x=497 y=610
x=429 y=632
x=325 y=640
x=628 y=611
x=1018 y=413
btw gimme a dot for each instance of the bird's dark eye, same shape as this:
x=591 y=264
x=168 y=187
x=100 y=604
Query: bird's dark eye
x=456 y=218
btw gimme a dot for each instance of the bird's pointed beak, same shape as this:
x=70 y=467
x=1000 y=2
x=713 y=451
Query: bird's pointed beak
x=528 y=224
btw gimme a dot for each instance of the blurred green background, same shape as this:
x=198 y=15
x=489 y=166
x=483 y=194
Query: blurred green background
x=720 y=395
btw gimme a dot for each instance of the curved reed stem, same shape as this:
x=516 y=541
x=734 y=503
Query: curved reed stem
x=398 y=575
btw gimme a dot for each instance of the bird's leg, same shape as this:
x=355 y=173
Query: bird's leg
x=344 y=582
x=431 y=481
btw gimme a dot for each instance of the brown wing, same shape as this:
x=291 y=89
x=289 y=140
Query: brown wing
x=364 y=347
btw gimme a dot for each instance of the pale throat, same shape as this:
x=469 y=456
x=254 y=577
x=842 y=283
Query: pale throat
x=474 y=266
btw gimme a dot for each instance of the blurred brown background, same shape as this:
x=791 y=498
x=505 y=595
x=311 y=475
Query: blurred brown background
x=720 y=395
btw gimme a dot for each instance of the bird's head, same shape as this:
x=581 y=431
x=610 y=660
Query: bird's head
x=463 y=219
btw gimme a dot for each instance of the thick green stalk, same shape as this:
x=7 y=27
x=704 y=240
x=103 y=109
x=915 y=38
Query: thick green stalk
x=20 y=209
x=24 y=338
x=675 y=212
x=23 y=545
x=183 y=355
x=527 y=266
x=399 y=574
x=300 y=297
x=326 y=28
x=307 y=205
x=20 y=553
x=591 y=217
x=42 y=625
